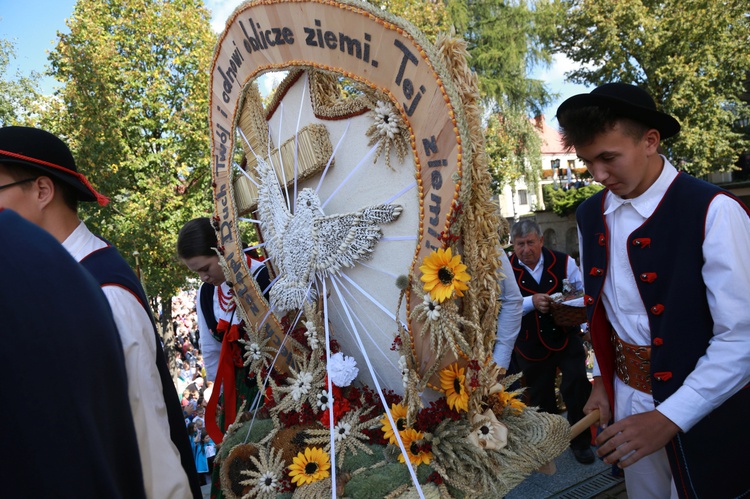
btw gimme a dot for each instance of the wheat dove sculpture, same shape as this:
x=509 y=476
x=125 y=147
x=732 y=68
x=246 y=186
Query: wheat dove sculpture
x=309 y=244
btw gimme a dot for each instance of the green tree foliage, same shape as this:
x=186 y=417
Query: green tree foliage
x=429 y=16
x=134 y=100
x=19 y=95
x=566 y=202
x=691 y=55
x=505 y=40
x=513 y=148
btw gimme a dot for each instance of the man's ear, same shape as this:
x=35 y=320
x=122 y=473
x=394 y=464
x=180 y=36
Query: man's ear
x=652 y=137
x=46 y=191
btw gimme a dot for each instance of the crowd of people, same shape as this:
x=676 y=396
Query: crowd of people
x=662 y=269
x=191 y=382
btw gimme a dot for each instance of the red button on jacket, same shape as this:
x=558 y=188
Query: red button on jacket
x=657 y=309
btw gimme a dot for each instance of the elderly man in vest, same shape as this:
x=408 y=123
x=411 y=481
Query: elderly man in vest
x=664 y=257
x=542 y=347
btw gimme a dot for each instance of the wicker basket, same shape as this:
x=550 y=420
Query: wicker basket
x=565 y=315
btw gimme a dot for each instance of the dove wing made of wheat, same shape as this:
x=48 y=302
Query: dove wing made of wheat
x=343 y=239
x=273 y=213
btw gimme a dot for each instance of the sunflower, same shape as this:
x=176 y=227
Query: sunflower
x=443 y=274
x=398 y=413
x=418 y=451
x=310 y=466
x=509 y=400
x=452 y=381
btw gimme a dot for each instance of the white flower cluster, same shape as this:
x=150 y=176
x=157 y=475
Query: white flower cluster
x=386 y=119
x=301 y=385
x=312 y=335
x=342 y=369
x=404 y=370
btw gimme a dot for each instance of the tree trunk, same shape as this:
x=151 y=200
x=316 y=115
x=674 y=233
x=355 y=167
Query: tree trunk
x=166 y=332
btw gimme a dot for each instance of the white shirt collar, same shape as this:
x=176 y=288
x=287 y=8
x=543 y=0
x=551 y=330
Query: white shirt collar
x=539 y=264
x=76 y=240
x=646 y=203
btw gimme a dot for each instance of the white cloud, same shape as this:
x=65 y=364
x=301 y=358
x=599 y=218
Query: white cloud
x=555 y=79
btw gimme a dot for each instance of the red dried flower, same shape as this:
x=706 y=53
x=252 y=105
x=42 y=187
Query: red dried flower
x=435 y=478
x=397 y=343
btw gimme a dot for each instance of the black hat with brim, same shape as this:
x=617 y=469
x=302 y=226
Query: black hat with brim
x=43 y=151
x=628 y=101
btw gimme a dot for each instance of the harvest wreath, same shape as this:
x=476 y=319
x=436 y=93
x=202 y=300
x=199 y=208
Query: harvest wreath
x=365 y=179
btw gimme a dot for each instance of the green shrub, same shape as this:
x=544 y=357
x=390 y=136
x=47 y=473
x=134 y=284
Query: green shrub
x=564 y=202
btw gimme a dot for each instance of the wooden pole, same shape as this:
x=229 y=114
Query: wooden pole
x=585 y=422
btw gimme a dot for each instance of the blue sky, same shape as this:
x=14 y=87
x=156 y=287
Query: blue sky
x=33 y=25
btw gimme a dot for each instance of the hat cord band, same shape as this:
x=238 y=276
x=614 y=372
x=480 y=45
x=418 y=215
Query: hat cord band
x=101 y=199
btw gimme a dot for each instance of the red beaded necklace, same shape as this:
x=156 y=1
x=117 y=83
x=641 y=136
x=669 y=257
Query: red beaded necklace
x=225 y=301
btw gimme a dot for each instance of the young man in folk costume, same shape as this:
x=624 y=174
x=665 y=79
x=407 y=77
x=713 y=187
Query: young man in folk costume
x=41 y=182
x=542 y=347
x=664 y=259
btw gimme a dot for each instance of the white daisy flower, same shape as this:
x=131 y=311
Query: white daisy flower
x=323 y=400
x=433 y=309
x=386 y=119
x=342 y=430
x=301 y=385
x=268 y=482
x=253 y=350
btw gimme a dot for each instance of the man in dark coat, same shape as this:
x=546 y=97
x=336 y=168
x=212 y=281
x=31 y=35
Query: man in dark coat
x=67 y=424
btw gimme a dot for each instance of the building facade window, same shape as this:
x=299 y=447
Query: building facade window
x=523 y=197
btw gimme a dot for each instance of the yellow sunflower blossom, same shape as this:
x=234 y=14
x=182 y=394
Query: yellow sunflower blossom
x=508 y=399
x=453 y=383
x=414 y=447
x=398 y=413
x=443 y=274
x=310 y=466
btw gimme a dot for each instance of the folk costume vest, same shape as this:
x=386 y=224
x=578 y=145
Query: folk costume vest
x=109 y=268
x=666 y=258
x=539 y=335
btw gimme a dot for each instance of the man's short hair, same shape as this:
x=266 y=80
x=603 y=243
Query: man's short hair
x=579 y=126
x=524 y=228
x=20 y=172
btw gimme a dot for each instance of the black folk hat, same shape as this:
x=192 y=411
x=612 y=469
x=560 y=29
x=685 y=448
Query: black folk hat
x=628 y=101
x=42 y=151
